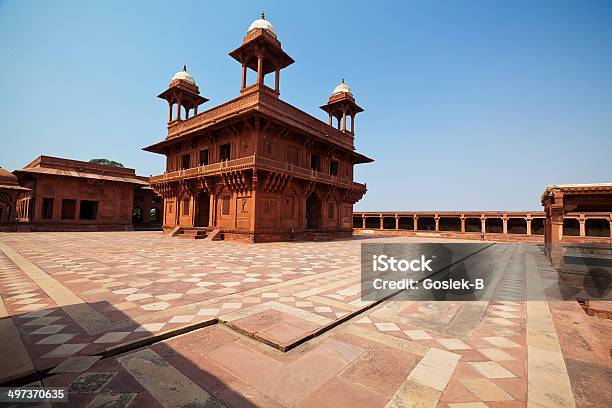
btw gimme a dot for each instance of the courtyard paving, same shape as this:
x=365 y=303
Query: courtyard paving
x=137 y=319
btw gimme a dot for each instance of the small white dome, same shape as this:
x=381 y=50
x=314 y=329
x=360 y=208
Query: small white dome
x=184 y=75
x=262 y=23
x=342 y=87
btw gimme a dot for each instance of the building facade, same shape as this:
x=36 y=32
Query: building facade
x=10 y=193
x=256 y=168
x=65 y=194
x=578 y=213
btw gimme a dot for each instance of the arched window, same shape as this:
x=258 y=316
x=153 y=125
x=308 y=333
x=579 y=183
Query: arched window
x=571 y=227
x=597 y=227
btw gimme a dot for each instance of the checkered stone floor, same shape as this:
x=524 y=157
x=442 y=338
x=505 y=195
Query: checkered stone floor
x=71 y=297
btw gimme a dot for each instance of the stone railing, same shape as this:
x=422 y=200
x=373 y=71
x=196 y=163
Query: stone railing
x=257 y=162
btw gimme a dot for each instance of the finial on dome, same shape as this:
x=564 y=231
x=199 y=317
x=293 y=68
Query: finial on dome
x=263 y=16
x=342 y=80
x=185 y=69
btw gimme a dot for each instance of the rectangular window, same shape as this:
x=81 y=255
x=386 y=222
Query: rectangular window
x=204 y=157
x=225 y=205
x=47 y=209
x=333 y=168
x=88 y=210
x=315 y=162
x=185 y=206
x=225 y=151
x=292 y=155
x=68 y=209
x=186 y=162
x=331 y=209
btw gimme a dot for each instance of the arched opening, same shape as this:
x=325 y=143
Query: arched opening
x=389 y=223
x=473 y=225
x=537 y=226
x=517 y=226
x=494 y=226
x=571 y=227
x=373 y=222
x=137 y=216
x=357 y=222
x=202 y=210
x=313 y=211
x=426 y=224
x=406 y=223
x=597 y=227
x=450 y=224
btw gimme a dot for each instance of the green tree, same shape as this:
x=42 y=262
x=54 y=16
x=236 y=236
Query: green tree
x=106 y=162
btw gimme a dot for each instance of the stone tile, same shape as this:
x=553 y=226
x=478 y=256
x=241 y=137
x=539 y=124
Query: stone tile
x=413 y=395
x=42 y=321
x=384 y=327
x=417 y=334
x=501 y=342
x=49 y=329
x=340 y=393
x=112 y=337
x=491 y=369
x=181 y=319
x=170 y=387
x=90 y=382
x=486 y=390
x=496 y=354
x=65 y=350
x=156 y=306
x=112 y=400
x=150 y=327
x=59 y=338
x=478 y=404
x=453 y=344
x=208 y=312
x=77 y=364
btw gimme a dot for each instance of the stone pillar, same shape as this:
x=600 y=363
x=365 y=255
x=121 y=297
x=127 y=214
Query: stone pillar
x=528 y=220
x=462 y=224
x=505 y=224
x=277 y=81
x=178 y=111
x=343 y=125
x=363 y=221
x=244 y=77
x=483 y=225
x=169 y=112
x=381 y=221
x=331 y=123
x=415 y=223
x=582 y=222
x=353 y=123
x=396 y=222
x=437 y=221
x=260 y=75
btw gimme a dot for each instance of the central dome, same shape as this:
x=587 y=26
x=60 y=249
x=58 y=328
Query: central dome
x=342 y=87
x=184 y=75
x=262 y=23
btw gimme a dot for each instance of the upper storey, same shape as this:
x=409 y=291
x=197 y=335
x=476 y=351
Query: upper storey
x=260 y=51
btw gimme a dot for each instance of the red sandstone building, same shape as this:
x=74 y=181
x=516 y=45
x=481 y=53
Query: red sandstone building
x=256 y=168
x=578 y=213
x=10 y=192
x=60 y=194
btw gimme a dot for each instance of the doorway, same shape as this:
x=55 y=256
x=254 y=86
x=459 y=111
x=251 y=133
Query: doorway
x=202 y=210
x=313 y=212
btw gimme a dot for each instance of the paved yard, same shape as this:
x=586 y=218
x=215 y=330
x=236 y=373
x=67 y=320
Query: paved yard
x=138 y=319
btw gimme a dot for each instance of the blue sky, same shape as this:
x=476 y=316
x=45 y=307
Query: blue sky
x=469 y=105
